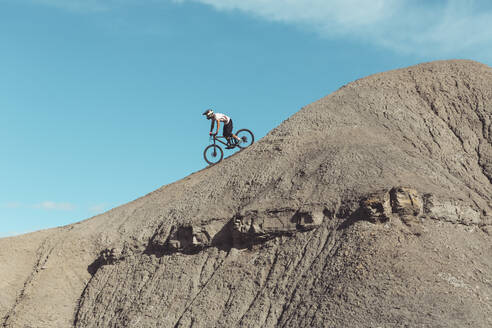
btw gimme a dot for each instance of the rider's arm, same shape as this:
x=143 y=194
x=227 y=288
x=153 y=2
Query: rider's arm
x=212 y=124
x=218 y=127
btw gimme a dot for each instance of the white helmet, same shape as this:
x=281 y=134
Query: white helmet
x=209 y=113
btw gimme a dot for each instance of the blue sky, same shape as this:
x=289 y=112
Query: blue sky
x=101 y=101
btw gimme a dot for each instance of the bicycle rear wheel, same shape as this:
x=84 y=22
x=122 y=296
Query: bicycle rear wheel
x=247 y=138
x=213 y=154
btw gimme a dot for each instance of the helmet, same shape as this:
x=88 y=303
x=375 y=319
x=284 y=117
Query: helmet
x=209 y=113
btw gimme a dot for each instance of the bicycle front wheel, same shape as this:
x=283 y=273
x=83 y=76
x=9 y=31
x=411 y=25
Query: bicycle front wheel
x=247 y=138
x=213 y=154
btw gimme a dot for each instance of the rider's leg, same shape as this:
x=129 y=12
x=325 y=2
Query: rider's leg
x=227 y=132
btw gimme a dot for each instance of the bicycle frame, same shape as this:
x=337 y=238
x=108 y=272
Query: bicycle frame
x=218 y=138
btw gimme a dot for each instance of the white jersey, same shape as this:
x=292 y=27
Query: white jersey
x=222 y=118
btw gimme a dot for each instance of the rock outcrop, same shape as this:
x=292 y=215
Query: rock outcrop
x=371 y=207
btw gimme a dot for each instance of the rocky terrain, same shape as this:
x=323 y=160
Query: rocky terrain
x=371 y=207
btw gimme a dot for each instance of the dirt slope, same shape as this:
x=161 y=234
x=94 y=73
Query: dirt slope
x=370 y=207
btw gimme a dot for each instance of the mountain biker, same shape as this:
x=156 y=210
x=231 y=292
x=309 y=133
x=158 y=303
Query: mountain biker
x=227 y=131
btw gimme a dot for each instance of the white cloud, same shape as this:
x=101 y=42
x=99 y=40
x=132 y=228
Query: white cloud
x=55 y=206
x=12 y=233
x=47 y=205
x=12 y=205
x=319 y=13
x=450 y=28
x=446 y=27
x=98 y=208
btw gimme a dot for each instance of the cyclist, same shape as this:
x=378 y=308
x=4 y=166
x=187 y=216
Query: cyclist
x=227 y=131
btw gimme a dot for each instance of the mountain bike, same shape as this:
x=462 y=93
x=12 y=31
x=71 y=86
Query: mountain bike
x=213 y=153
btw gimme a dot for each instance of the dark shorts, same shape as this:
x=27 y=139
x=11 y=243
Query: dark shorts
x=228 y=129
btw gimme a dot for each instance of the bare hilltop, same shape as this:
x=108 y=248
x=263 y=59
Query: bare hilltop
x=371 y=207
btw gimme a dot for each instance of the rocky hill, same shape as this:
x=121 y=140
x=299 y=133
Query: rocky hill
x=371 y=207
